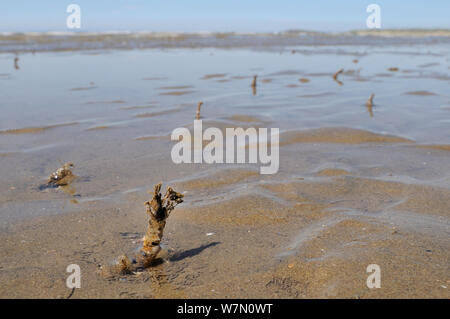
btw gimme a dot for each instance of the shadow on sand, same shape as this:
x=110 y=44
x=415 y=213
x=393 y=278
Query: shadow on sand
x=191 y=252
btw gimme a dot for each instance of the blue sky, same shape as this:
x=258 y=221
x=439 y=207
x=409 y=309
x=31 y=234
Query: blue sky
x=221 y=15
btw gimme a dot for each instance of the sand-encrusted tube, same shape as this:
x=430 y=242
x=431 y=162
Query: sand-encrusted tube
x=369 y=102
x=199 y=106
x=255 y=77
x=158 y=210
x=335 y=76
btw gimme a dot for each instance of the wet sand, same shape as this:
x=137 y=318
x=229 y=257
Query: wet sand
x=33 y=130
x=353 y=188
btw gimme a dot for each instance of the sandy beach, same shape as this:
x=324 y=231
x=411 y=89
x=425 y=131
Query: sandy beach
x=356 y=185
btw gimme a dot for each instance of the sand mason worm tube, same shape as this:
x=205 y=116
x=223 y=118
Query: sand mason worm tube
x=158 y=210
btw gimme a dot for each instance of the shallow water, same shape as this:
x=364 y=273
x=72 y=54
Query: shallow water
x=41 y=93
x=120 y=97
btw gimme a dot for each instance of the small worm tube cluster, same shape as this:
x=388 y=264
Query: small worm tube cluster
x=62 y=176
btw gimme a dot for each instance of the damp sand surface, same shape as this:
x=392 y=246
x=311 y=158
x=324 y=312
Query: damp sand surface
x=355 y=187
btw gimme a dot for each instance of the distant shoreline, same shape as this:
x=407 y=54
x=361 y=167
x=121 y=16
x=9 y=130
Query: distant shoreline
x=362 y=32
x=11 y=42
